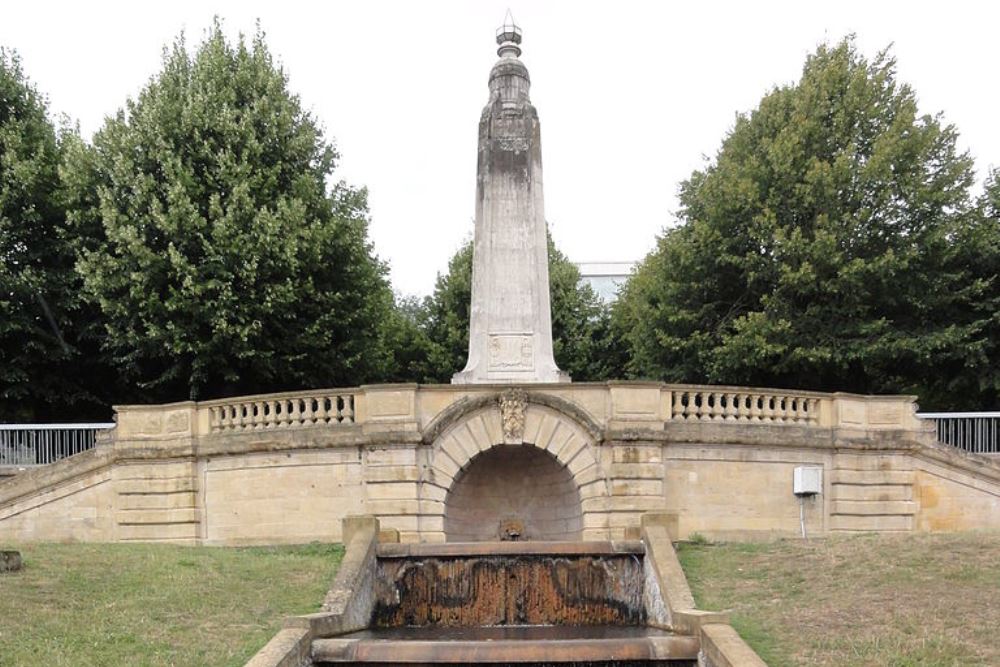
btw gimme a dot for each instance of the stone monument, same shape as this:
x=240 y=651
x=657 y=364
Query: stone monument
x=510 y=329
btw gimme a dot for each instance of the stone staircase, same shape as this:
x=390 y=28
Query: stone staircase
x=872 y=493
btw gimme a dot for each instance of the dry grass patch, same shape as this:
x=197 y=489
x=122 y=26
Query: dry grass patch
x=146 y=604
x=861 y=600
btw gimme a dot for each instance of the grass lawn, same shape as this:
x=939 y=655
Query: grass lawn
x=145 y=604
x=861 y=600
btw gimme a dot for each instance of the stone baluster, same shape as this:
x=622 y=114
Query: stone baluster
x=768 y=412
x=321 y=412
x=307 y=412
x=718 y=410
x=730 y=412
x=742 y=408
x=347 y=413
x=678 y=411
x=754 y=415
x=704 y=411
x=779 y=409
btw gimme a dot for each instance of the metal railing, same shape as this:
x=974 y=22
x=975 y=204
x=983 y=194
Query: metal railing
x=39 y=444
x=976 y=432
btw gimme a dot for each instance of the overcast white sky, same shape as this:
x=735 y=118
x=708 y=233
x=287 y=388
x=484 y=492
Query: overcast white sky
x=631 y=95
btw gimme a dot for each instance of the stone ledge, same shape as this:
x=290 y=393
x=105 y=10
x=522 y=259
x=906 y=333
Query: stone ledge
x=506 y=644
x=423 y=550
x=722 y=646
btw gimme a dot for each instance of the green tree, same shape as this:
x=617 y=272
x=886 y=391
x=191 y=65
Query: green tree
x=45 y=366
x=825 y=247
x=580 y=322
x=224 y=264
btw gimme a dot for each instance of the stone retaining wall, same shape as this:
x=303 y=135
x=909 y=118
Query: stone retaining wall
x=288 y=467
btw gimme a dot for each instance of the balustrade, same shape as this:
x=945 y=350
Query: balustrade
x=718 y=405
x=282 y=412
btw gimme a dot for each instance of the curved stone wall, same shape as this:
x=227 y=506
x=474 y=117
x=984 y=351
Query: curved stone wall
x=513 y=492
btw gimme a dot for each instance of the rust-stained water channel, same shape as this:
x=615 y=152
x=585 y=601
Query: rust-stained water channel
x=540 y=584
x=571 y=604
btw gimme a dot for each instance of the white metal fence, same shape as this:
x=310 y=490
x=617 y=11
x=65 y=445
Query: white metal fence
x=976 y=432
x=38 y=444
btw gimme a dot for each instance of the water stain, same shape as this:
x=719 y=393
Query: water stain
x=509 y=590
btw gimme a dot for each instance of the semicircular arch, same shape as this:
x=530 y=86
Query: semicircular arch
x=473 y=431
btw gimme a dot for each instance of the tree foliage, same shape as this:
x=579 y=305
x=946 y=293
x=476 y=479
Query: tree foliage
x=44 y=372
x=221 y=261
x=580 y=323
x=831 y=245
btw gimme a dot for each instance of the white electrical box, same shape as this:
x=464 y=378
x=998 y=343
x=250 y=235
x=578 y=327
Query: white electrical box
x=807 y=480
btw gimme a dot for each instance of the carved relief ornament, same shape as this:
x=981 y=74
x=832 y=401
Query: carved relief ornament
x=513 y=404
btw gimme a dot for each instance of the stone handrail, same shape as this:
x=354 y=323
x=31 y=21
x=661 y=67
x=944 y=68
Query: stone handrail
x=328 y=407
x=744 y=405
x=614 y=406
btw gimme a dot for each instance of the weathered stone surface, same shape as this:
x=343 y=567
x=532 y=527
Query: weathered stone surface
x=725 y=479
x=509 y=589
x=510 y=329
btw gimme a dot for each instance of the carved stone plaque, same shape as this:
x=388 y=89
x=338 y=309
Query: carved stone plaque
x=513 y=403
x=511 y=352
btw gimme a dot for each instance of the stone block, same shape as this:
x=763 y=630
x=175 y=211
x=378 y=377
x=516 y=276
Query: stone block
x=637 y=487
x=156 y=485
x=877 y=523
x=388 y=536
x=381 y=508
x=595 y=520
x=445 y=467
x=581 y=462
x=871 y=492
x=157 y=501
x=546 y=431
x=596 y=534
x=165 y=516
x=872 y=507
x=636 y=403
x=721 y=646
x=391 y=491
x=639 y=453
x=636 y=504
x=871 y=476
x=391 y=456
x=433 y=492
x=391 y=474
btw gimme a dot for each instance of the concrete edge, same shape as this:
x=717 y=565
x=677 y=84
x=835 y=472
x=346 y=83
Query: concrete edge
x=721 y=645
x=347 y=606
x=290 y=647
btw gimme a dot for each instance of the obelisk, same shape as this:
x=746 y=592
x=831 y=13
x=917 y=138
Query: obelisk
x=510 y=327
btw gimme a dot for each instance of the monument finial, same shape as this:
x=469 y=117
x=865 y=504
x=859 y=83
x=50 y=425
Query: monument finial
x=508 y=37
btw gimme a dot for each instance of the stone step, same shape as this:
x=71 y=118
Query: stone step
x=871 y=492
x=869 y=523
x=873 y=507
x=509 y=645
x=867 y=477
